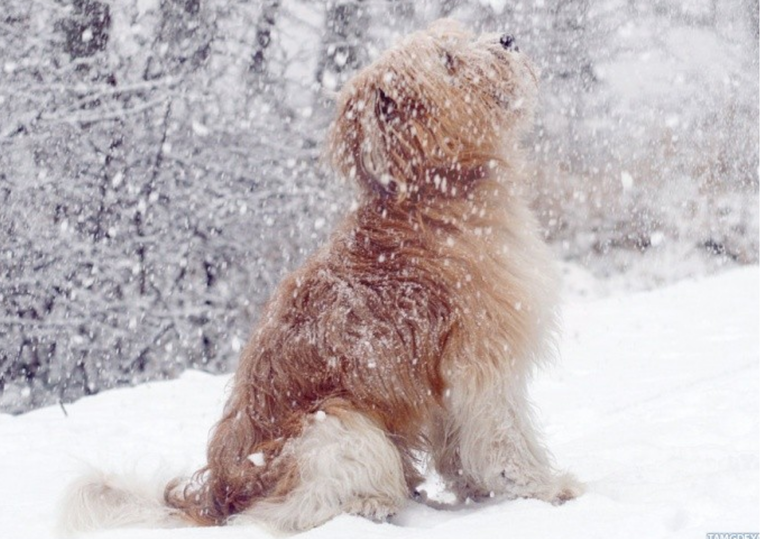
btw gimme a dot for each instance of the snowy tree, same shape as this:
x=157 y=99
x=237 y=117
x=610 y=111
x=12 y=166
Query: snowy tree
x=160 y=160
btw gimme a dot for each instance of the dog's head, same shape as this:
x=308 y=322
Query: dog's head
x=438 y=109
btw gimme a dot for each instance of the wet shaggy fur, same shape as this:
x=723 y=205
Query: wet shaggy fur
x=414 y=331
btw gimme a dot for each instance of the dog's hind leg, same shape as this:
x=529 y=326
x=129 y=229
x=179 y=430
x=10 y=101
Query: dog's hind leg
x=343 y=462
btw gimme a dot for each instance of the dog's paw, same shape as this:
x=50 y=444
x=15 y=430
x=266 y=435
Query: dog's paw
x=563 y=488
x=468 y=491
x=555 y=489
x=379 y=509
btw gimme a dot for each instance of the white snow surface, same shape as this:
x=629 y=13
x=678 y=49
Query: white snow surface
x=653 y=404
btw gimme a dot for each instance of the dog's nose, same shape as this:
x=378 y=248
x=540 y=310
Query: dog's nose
x=508 y=42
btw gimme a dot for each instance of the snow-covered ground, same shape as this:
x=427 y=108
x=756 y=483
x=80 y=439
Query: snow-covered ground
x=654 y=405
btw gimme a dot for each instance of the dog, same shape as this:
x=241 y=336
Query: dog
x=410 y=336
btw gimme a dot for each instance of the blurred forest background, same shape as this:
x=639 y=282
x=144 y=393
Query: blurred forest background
x=159 y=160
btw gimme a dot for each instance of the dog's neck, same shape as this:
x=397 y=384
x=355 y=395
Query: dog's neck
x=446 y=199
x=434 y=186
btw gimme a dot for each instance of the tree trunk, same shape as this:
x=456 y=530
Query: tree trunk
x=343 y=48
x=86 y=31
x=264 y=27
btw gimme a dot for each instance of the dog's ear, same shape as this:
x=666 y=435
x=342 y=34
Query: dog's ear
x=386 y=108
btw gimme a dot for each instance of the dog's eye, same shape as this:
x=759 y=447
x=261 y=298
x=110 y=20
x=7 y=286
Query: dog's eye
x=448 y=61
x=386 y=107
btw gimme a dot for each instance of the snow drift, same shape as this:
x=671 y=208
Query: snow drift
x=654 y=405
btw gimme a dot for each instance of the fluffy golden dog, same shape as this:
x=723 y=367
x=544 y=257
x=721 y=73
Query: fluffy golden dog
x=412 y=333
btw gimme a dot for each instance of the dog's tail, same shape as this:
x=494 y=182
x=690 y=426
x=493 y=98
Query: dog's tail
x=245 y=464
x=98 y=500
